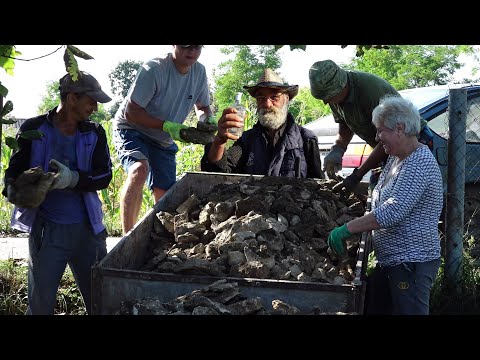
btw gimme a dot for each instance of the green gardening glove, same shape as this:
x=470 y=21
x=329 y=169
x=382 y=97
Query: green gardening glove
x=336 y=239
x=173 y=129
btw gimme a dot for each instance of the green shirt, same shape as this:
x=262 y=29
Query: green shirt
x=365 y=93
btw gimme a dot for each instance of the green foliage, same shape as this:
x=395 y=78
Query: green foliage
x=245 y=67
x=7 y=108
x=11 y=143
x=292 y=47
x=79 y=53
x=8 y=121
x=13 y=287
x=444 y=298
x=13 y=290
x=71 y=64
x=3 y=90
x=360 y=49
x=305 y=108
x=7 y=61
x=52 y=99
x=407 y=66
x=121 y=78
x=189 y=155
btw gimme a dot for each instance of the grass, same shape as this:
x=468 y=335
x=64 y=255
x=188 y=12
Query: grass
x=445 y=299
x=13 y=291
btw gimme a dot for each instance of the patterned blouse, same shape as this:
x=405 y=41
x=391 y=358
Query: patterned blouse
x=407 y=207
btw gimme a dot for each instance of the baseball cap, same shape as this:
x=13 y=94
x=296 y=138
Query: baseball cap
x=327 y=79
x=85 y=84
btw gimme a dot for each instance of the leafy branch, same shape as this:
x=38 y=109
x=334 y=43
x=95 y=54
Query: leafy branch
x=8 y=55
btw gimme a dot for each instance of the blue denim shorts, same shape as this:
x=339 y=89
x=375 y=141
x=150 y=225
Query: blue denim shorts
x=132 y=146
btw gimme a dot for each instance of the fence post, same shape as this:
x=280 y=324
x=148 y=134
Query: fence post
x=457 y=116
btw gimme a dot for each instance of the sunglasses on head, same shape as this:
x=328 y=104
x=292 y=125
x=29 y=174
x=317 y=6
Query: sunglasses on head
x=196 y=47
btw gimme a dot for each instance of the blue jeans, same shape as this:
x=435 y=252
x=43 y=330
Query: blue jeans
x=403 y=289
x=132 y=146
x=51 y=247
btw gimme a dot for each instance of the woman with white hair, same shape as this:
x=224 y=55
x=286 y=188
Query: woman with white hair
x=406 y=206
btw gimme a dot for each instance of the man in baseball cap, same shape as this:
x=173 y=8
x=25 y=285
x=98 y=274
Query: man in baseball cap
x=85 y=84
x=75 y=149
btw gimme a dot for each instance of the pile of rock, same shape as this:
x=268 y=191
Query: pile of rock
x=219 y=298
x=267 y=228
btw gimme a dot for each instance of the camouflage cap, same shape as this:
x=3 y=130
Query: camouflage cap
x=270 y=79
x=327 y=79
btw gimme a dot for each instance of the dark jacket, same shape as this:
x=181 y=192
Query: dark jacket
x=93 y=158
x=253 y=154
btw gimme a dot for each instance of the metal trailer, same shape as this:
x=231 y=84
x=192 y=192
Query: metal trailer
x=116 y=278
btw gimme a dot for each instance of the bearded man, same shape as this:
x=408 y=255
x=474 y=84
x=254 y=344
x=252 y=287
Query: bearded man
x=274 y=146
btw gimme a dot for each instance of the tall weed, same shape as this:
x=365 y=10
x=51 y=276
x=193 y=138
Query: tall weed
x=13 y=291
x=444 y=299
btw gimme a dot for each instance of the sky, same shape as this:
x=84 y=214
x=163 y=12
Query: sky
x=28 y=84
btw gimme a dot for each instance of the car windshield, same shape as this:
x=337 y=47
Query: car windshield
x=422 y=97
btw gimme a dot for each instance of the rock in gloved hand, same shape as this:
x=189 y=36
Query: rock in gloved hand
x=196 y=136
x=208 y=127
x=30 y=188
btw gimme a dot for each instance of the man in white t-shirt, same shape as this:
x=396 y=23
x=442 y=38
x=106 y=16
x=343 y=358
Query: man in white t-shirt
x=162 y=95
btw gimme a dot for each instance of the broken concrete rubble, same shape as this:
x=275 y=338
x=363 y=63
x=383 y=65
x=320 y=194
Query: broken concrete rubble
x=268 y=228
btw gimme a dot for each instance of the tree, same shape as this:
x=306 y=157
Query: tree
x=245 y=67
x=305 y=108
x=52 y=99
x=121 y=78
x=407 y=66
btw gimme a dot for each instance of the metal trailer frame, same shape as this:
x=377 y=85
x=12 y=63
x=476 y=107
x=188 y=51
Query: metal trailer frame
x=115 y=277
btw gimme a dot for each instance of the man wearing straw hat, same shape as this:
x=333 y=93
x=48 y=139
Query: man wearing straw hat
x=274 y=146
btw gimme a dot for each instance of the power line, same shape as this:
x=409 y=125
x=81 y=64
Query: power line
x=39 y=57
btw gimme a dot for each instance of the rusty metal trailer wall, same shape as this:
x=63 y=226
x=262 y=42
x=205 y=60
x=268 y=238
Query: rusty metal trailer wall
x=115 y=277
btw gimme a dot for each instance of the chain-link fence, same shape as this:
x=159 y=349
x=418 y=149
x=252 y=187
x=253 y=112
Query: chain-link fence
x=457 y=149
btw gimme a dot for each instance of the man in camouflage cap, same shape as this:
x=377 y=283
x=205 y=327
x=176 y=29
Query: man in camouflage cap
x=274 y=146
x=352 y=96
x=327 y=79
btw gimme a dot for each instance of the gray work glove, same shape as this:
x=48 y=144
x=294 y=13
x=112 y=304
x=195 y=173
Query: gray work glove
x=333 y=161
x=348 y=184
x=64 y=177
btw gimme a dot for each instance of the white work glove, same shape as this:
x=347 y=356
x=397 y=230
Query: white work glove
x=333 y=161
x=64 y=177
